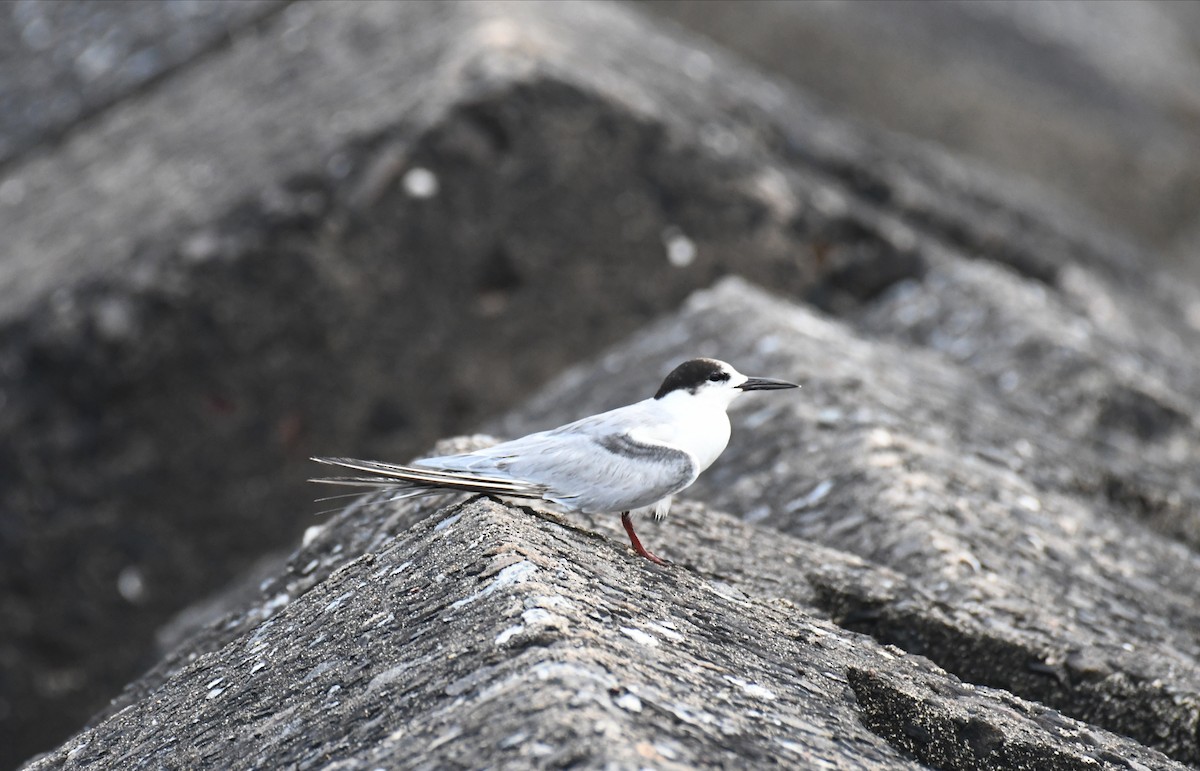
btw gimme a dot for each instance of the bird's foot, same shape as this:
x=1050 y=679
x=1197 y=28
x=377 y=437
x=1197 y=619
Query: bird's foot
x=627 y=521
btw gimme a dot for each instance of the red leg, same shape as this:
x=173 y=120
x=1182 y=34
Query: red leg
x=627 y=521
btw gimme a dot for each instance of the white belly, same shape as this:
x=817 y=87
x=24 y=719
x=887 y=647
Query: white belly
x=702 y=433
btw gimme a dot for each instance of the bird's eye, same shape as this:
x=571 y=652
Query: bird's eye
x=716 y=377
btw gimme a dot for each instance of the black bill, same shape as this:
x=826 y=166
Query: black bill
x=765 y=384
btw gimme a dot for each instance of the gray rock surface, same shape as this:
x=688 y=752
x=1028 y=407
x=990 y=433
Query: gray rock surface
x=62 y=63
x=1025 y=621
x=1097 y=101
x=270 y=253
x=507 y=637
x=247 y=264
x=1028 y=563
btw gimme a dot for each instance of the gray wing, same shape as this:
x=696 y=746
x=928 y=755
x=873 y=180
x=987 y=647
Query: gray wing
x=591 y=465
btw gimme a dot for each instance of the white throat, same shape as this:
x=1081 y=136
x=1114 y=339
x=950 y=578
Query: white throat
x=695 y=423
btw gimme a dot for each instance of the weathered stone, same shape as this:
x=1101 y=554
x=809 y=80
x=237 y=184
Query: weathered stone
x=1042 y=91
x=270 y=254
x=504 y=636
x=63 y=63
x=1021 y=571
x=1017 y=583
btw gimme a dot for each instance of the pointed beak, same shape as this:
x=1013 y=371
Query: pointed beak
x=765 y=384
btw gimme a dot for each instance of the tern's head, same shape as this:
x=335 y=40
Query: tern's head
x=713 y=381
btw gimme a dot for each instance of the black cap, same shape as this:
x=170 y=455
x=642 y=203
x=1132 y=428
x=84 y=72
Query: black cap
x=691 y=375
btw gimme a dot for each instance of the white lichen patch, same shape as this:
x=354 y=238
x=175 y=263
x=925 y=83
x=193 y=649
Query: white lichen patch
x=535 y=616
x=814 y=496
x=336 y=603
x=275 y=603
x=311 y=534
x=752 y=689
x=509 y=633
x=379 y=619
x=629 y=702
x=681 y=250
x=665 y=629
x=640 y=637
x=421 y=183
x=131 y=584
x=516 y=573
x=388 y=676
x=549 y=601
x=447 y=522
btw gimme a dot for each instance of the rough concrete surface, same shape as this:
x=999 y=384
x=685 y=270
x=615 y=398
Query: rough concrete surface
x=270 y=252
x=1099 y=102
x=1027 y=623
x=62 y=63
x=236 y=270
x=1023 y=569
x=496 y=636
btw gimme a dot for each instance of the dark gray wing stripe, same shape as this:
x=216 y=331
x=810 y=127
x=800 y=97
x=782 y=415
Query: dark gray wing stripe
x=676 y=463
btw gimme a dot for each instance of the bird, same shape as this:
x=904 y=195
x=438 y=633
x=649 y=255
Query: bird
x=632 y=459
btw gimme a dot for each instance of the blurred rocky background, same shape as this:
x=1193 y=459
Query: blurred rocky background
x=1098 y=102
x=237 y=234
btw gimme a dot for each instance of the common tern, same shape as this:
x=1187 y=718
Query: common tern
x=628 y=460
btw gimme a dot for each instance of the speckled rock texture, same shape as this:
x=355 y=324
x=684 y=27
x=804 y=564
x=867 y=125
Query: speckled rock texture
x=887 y=587
x=61 y=64
x=1099 y=102
x=1048 y=548
x=506 y=637
x=356 y=228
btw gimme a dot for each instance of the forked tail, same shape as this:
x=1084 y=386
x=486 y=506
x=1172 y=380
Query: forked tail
x=418 y=478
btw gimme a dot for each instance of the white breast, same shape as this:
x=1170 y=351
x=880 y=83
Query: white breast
x=697 y=426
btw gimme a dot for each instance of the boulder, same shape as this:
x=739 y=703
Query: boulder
x=506 y=636
x=361 y=227
x=65 y=63
x=1048 y=549
x=963 y=612
x=1043 y=91
x=269 y=253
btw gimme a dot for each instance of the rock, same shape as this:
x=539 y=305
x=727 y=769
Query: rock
x=64 y=63
x=270 y=253
x=507 y=636
x=1021 y=570
x=1022 y=624
x=1036 y=89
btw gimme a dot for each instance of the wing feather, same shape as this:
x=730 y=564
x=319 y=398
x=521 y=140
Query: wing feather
x=592 y=465
x=396 y=475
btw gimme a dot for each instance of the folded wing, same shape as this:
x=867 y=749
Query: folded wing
x=394 y=475
x=593 y=465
